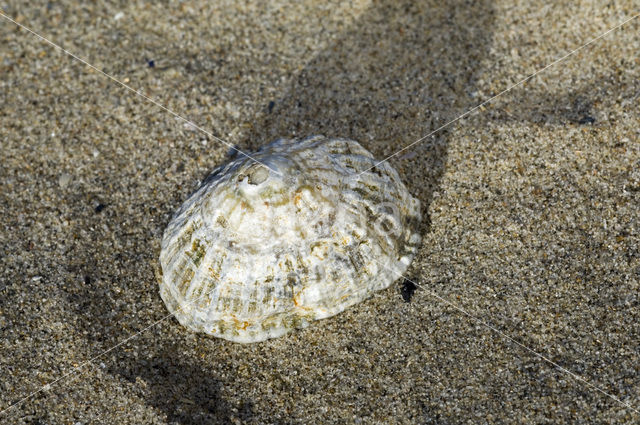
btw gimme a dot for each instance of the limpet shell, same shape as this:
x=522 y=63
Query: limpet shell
x=253 y=254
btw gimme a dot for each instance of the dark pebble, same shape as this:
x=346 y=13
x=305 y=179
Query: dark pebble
x=271 y=105
x=100 y=207
x=587 y=120
x=151 y=63
x=87 y=280
x=408 y=288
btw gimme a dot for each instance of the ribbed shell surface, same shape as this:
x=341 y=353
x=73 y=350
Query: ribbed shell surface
x=253 y=254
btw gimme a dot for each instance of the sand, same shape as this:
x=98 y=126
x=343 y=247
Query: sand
x=531 y=205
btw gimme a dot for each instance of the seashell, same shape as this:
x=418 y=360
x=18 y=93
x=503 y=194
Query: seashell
x=253 y=254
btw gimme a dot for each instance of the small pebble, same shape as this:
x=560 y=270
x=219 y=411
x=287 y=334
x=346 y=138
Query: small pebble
x=64 y=180
x=100 y=207
x=408 y=288
x=587 y=120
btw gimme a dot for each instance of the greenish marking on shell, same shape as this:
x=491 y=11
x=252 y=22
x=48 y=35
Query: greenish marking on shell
x=197 y=252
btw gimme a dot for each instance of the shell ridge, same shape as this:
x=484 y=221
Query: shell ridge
x=269 y=253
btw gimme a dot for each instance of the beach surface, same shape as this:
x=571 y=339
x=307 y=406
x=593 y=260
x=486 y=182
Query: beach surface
x=527 y=307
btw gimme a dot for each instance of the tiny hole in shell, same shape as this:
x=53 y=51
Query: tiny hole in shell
x=258 y=175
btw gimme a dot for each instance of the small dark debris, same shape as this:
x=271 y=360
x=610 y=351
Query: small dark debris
x=87 y=280
x=100 y=207
x=271 y=105
x=151 y=63
x=587 y=120
x=408 y=288
x=180 y=168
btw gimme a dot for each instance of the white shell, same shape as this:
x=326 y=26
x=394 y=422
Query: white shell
x=253 y=254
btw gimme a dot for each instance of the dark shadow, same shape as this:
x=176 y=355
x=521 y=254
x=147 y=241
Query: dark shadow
x=404 y=69
x=185 y=389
